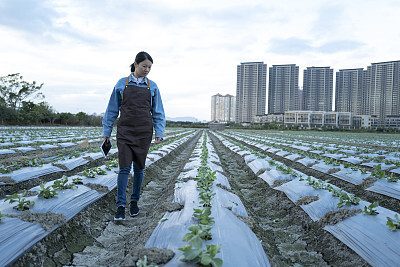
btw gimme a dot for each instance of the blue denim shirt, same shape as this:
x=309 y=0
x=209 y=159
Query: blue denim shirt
x=114 y=105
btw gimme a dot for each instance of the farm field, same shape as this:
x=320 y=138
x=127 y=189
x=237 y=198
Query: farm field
x=272 y=199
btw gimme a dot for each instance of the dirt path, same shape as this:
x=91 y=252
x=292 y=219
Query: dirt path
x=93 y=239
x=286 y=232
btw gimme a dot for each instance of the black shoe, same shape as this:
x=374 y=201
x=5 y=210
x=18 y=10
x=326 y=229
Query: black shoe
x=134 y=209
x=120 y=215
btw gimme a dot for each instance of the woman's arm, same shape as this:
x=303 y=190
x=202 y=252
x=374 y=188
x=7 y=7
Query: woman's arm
x=111 y=113
x=157 y=111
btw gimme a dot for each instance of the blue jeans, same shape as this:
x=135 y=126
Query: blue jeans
x=122 y=184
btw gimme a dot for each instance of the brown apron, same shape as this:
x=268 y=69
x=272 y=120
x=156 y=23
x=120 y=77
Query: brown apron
x=135 y=125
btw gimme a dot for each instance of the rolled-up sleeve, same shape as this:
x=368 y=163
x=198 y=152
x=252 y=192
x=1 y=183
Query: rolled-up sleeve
x=157 y=111
x=111 y=113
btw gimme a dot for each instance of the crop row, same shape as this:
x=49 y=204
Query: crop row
x=206 y=229
x=371 y=234
x=28 y=217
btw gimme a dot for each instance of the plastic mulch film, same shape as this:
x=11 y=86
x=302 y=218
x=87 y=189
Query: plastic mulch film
x=353 y=177
x=382 y=186
x=259 y=165
x=326 y=168
x=109 y=180
x=308 y=162
x=327 y=202
x=67 y=144
x=17 y=237
x=47 y=146
x=294 y=157
x=6 y=144
x=94 y=156
x=222 y=180
x=249 y=158
x=370 y=238
x=274 y=175
x=334 y=156
x=28 y=173
x=113 y=151
x=239 y=245
x=383 y=165
x=242 y=152
x=71 y=164
x=214 y=167
x=196 y=162
x=297 y=189
x=24 y=149
x=302 y=148
x=353 y=160
x=274 y=150
x=68 y=202
x=283 y=153
x=397 y=171
x=317 y=152
x=349 y=151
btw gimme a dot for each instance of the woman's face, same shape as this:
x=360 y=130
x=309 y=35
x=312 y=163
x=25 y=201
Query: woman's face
x=143 y=68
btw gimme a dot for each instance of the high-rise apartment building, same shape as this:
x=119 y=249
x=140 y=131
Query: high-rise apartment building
x=383 y=89
x=223 y=108
x=250 y=91
x=318 y=89
x=350 y=91
x=283 y=88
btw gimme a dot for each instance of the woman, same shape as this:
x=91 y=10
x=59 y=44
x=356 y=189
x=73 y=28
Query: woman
x=139 y=101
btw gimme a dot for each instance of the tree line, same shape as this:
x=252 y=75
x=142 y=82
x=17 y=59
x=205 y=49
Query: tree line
x=17 y=106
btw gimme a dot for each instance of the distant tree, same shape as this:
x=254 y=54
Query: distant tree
x=14 y=90
x=82 y=118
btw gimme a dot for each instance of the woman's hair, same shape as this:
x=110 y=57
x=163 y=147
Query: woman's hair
x=141 y=56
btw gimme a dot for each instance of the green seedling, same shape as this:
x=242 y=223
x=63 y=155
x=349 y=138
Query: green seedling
x=92 y=172
x=162 y=220
x=1 y=215
x=62 y=184
x=143 y=263
x=392 y=178
x=348 y=200
x=203 y=257
x=370 y=210
x=378 y=172
x=112 y=164
x=46 y=192
x=77 y=180
x=23 y=204
x=203 y=216
x=393 y=224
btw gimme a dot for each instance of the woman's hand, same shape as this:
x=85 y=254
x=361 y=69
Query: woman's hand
x=106 y=138
x=158 y=140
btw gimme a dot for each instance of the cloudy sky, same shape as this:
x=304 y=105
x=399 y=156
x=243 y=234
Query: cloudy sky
x=79 y=49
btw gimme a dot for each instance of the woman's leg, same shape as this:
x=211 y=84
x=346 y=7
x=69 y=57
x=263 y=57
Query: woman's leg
x=137 y=182
x=122 y=183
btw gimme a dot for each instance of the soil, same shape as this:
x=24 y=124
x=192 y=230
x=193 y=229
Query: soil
x=287 y=234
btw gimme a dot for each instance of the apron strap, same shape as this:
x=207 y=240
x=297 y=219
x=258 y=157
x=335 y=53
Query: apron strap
x=148 y=82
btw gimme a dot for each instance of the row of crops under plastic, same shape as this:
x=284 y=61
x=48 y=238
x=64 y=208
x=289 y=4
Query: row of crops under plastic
x=206 y=230
x=48 y=206
x=341 y=162
x=373 y=234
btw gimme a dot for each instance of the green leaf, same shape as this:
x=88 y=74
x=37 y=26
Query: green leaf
x=217 y=262
x=197 y=242
x=191 y=254
x=205 y=260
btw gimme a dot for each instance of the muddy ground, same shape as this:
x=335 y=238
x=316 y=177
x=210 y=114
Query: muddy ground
x=287 y=234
